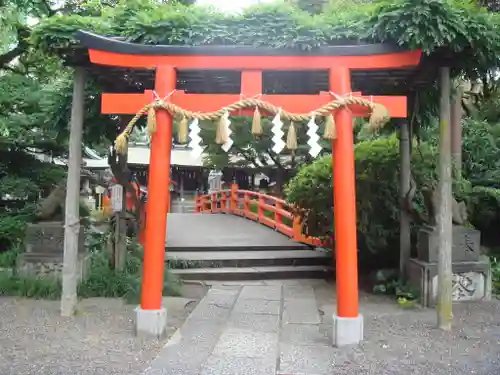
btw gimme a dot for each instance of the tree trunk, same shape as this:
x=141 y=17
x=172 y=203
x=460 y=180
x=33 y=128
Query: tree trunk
x=444 y=218
x=72 y=206
x=456 y=131
x=405 y=178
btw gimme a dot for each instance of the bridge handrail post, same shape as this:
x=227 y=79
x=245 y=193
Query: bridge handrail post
x=233 y=202
x=246 y=203
x=260 y=207
x=197 y=204
x=278 y=219
x=223 y=201
x=297 y=228
x=213 y=207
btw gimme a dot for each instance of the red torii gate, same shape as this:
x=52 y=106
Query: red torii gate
x=339 y=60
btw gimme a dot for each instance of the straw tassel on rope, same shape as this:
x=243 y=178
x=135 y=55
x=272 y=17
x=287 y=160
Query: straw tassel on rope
x=330 y=128
x=378 y=117
x=121 y=142
x=256 y=123
x=182 y=131
x=220 y=133
x=151 y=120
x=291 y=138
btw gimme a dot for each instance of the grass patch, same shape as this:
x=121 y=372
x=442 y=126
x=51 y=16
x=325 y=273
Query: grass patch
x=495 y=275
x=102 y=281
x=29 y=287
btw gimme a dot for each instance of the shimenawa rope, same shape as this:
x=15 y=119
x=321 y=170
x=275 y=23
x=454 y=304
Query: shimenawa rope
x=378 y=117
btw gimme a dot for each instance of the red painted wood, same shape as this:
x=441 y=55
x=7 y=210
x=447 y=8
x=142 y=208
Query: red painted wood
x=384 y=61
x=132 y=103
x=251 y=83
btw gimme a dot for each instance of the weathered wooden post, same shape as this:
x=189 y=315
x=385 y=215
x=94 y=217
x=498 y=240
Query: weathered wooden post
x=444 y=218
x=72 y=204
x=456 y=130
x=405 y=178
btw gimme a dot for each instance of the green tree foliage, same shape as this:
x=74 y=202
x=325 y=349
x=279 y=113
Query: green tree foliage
x=313 y=7
x=377 y=188
x=256 y=152
x=431 y=25
x=480 y=166
x=35 y=102
x=460 y=31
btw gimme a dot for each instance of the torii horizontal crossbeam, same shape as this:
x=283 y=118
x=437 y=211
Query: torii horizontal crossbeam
x=108 y=51
x=132 y=103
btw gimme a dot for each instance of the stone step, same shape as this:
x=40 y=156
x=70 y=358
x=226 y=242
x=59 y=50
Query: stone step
x=254 y=273
x=170 y=249
x=218 y=259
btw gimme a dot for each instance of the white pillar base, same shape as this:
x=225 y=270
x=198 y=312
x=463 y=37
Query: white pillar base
x=347 y=331
x=151 y=323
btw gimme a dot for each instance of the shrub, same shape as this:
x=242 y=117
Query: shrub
x=481 y=152
x=105 y=282
x=377 y=196
x=13 y=225
x=495 y=275
x=484 y=213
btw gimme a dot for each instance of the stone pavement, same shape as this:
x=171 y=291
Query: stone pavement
x=284 y=327
x=237 y=328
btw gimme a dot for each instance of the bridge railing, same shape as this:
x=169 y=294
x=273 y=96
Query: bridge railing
x=263 y=208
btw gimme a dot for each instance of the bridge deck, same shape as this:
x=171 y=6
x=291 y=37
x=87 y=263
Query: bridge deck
x=219 y=231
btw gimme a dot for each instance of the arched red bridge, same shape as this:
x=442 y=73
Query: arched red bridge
x=238 y=234
x=262 y=208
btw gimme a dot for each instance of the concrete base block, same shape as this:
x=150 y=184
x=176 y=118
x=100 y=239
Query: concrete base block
x=151 y=323
x=347 y=331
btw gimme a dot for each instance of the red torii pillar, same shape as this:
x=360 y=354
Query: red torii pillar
x=151 y=316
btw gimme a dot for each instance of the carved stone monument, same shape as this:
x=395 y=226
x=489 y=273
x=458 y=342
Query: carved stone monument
x=44 y=240
x=471 y=271
x=45 y=249
x=466 y=244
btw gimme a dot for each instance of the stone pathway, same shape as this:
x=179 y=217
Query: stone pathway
x=284 y=327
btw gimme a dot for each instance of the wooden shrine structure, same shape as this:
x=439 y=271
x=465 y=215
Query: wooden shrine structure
x=340 y=63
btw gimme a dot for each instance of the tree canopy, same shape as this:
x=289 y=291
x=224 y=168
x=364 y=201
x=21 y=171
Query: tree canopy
x=36 y=92
x=451 y=26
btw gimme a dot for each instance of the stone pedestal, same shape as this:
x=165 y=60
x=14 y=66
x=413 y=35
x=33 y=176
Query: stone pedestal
x=347 y=331
x=471 y=280
x=45 y=251
x=150 y=323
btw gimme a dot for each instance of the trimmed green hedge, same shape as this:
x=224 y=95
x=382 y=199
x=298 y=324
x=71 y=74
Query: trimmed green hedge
x=377 y=195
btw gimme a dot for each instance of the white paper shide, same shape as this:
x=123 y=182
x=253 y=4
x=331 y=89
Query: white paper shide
x=313 y=141
x=227 y=145
x=195 y=139
x=277 y=130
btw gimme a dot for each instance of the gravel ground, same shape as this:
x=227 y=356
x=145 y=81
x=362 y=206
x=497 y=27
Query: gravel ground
x=35 y=339
x=404 y=342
